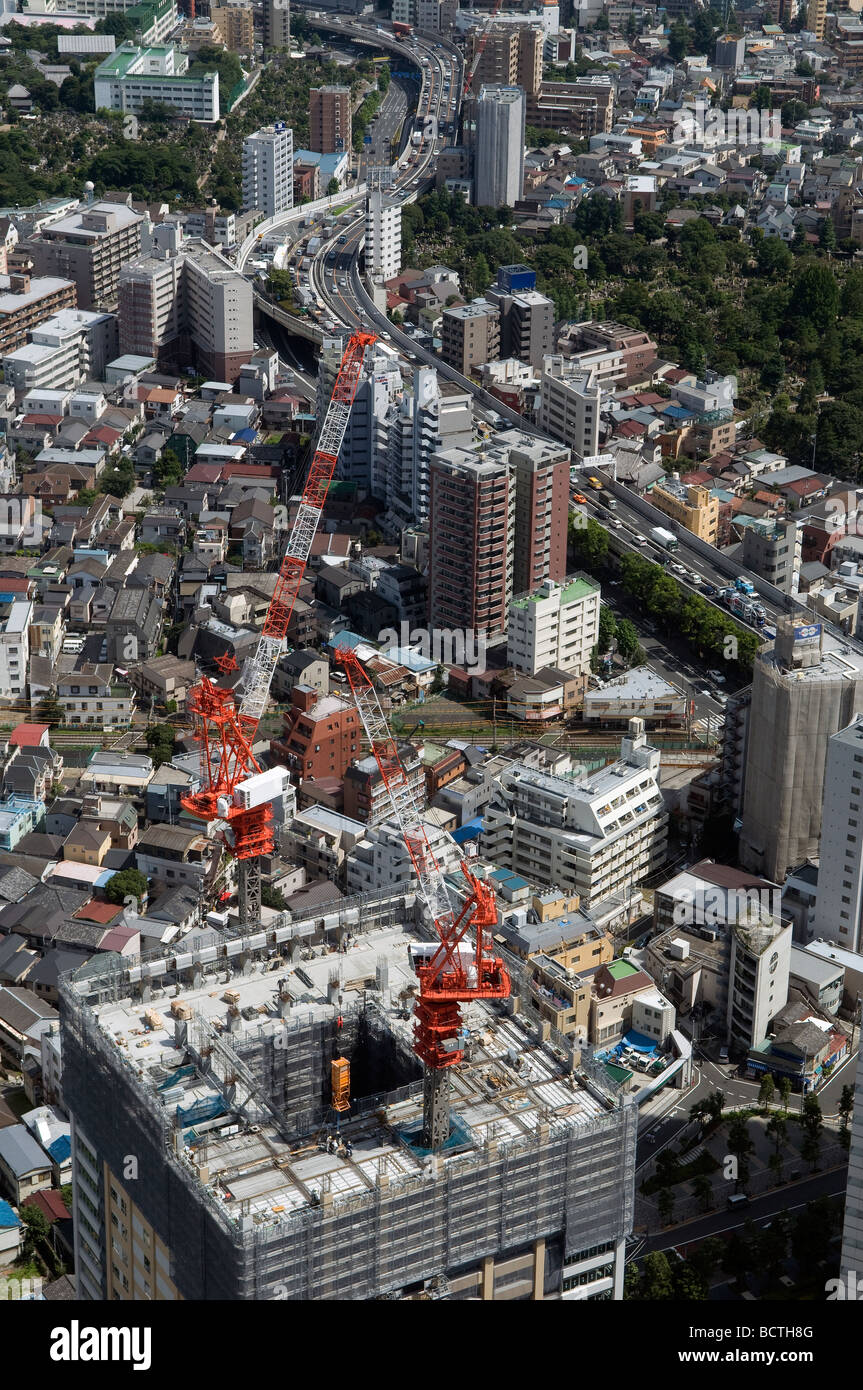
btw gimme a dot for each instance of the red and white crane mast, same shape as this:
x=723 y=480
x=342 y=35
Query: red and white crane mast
x=233 y=789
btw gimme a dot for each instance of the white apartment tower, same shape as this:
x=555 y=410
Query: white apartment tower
x=556 y=626
x=363 y=456
x=569 y=405
x=499 y=146
x=597 y=837
x=268 y=170
x=383 y=236
x=839 y=906
x=436 y=415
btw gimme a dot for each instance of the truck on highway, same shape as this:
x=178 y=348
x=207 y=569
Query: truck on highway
x=666 y=539
x=745 y=586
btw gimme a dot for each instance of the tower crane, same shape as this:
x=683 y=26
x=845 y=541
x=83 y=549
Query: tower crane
x=453 y=971
x=233 y=788
x=480 y=46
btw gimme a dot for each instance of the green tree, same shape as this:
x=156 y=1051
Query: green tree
x=666 y=1166
x=772 y=1247
x=168 y=469
x=703 y=1190
x=160 y=740
x=737 y=1258
x=665 y=1204
x=607 y=629
x=50 y=711
x=775 y=1164
x=766 y=1089
x=846 y=1107
x=740 y=1144
x=126 y=883
x=589 y=545
x=37 y=1230
x=656 y=1280
x=785 y=1089
x=627 y=639
x=777 y=1130
x=706 y=1257
x=812 y=1232
x=811 y=1117
x=631 y=1282
x=810 y=1150
x=272 y=897
x=689 y=1285
x=332 y=188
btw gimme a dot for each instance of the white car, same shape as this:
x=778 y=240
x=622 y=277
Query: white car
x=717 y=676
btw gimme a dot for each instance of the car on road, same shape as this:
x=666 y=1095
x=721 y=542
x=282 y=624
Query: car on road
x=616 y=523
x=639 y=540
x=580 y=498
x=720 y=697
x=723 y=1054
x=716 y=676
x=678 y=569
x=709 y=590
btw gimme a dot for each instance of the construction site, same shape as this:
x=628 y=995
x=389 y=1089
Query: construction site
x=267 y=1089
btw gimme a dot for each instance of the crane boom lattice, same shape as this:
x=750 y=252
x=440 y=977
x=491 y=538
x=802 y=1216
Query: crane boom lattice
x=225 y=728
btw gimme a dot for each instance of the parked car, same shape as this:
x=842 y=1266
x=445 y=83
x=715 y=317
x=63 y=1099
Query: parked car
x=716 y=676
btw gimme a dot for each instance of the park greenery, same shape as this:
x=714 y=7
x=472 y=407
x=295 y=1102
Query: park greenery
x=783 y=319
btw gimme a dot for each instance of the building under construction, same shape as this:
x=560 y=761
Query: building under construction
x=805 y=688
x=247 y=1124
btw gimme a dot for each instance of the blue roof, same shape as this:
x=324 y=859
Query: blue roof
x=246 y=436
x=678 y=412
x=469 y=831
x=406 y=656
x=61 y=1149
x=7 y=1216
x=348 y=639
x=505 y=875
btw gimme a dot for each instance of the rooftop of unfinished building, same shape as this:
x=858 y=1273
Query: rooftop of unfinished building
x=510 y=1087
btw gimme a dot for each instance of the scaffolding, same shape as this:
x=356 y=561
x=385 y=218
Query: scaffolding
x=553 y=1177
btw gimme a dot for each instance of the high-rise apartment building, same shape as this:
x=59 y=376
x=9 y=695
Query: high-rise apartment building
x=330 y=120
x=235 y=21
x=557 y=626
x=471 y=529
x=25 y=302
x=187 y=300
x=89 y=247
x=435 y=414
x=839 y=905
x=805 y=688
x=569 y=403
x=470 y=335
x=277 y=23
x=526 y=316
x=540 y=480
x=511 y=57
x=363 y=455
x=69 y=347
x=816 y=18
x=383 y=250
x=499 y=146
x=268 y=169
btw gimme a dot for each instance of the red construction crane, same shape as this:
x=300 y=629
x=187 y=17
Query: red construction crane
x=481 y=43
x=233 y=789
x=453 y=972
